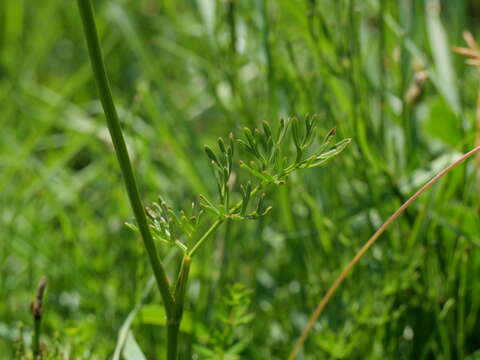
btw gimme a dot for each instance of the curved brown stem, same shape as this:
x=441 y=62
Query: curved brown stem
x=323 y=303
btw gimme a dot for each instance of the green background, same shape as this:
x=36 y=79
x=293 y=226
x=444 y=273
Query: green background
x=186 y=72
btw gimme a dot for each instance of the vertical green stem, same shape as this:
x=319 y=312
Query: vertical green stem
x=173 y=327
x=37 y=310
x=181 y=286
x=36 y=337
x=205 y=236
x=86 y=12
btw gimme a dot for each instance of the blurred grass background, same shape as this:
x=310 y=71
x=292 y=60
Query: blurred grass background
x=184 y=73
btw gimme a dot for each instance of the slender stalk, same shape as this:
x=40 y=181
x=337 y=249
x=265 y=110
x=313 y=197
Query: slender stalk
x=205 y=236
x=103 y=86
x=323 y=303
x=173 y=329
x=37 y=310
x=219 y=222
x=173 y=326
x=181 y=286
x=36 y=337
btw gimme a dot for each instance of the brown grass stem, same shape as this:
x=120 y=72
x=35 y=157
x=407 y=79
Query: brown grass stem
x=323 y=303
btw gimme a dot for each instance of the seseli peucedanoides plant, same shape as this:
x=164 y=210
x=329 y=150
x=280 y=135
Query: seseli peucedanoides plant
x=269 y=165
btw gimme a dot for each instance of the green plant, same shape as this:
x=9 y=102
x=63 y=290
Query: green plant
x=229 y=337
x=270 y=166
x=184 y=73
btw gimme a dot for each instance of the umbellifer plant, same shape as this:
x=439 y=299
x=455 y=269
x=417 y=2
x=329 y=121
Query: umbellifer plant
x=268 y=166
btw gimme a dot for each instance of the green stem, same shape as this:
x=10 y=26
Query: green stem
x=181 y=286
x=174 y=321
x=36 y=337
x=219 y=222
x=37 y=310
x=205 y=236
x=101 y=79
x=173 y=329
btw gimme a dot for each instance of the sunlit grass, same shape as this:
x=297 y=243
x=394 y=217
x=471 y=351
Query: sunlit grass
x=185 y=73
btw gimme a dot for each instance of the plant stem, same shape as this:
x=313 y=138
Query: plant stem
x=219 y=222
x=36 y=337
x=173 y=329
x=181 y=286
x=101 y=79
x=173 y=323
x=205 y=236
x=333 y=288
x=37 y=310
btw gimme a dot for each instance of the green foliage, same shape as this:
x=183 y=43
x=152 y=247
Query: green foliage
x=269 y=167
x=168 y=227
x=51 y=350
x=228 y=338
x=184 y=73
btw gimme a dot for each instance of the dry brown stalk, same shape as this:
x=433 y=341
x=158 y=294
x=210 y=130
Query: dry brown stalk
x=323 y=303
